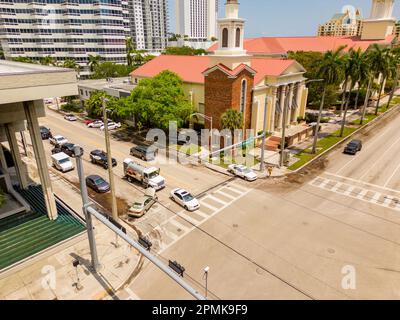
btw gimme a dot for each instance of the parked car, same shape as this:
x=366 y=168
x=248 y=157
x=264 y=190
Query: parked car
x=45 y=133
x=100 y=157
x=353 y=147
x=70 y=117
x=242 y=172
x=67 y=148
x=143 y=204
x=111 y=126
x=95 y=124
x=185 y=199
x=58 y=140
x=147 y=153
x=86 y=122
x=97 y=183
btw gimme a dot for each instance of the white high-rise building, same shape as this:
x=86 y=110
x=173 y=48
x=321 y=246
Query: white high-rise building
x=65 y=29
x=197 y=19
x=149 y=24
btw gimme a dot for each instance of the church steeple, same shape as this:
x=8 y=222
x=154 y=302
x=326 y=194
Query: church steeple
x=231 y=37
x=380 y=23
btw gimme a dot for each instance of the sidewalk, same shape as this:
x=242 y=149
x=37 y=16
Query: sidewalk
x=30 y=280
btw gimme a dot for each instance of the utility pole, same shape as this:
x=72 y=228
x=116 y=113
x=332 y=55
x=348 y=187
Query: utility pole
x=109 y=162
x=205 y=276
x=86 y=203
x=262 y=165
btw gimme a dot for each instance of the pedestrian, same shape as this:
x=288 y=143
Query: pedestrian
x=270 y=168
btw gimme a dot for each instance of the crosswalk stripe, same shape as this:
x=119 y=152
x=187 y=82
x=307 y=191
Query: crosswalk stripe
x=324 y=183
x=225 y=194
x=237 y=187
x=362 y=194
x=188 y=218
x=376 y=197
x=168 y=233
x=348 y=191
x=337 y=186
x=202 y=214
x=388 y=200
x=208 y=205
x=216 y=199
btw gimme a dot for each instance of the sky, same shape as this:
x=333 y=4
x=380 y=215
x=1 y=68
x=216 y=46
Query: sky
x=288 y=17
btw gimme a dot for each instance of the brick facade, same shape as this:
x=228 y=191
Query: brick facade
x=223 y=92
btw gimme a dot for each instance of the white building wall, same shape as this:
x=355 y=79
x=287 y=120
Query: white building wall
x=65 y=29
x=197 y=19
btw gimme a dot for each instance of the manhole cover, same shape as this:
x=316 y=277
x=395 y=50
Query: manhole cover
x=259 y=271
x=235 y=225
x=179 y=229
x=331 y=251
x=305 y=223
x=155 y=206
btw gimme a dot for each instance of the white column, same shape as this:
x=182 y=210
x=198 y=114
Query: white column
x=20 y=169
x=298 y=99
x=282 y=106
x=40 y=157
x=272 y=110
x=289 y=105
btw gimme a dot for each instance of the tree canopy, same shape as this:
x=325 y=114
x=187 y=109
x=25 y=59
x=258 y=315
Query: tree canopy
x=109 y=69
x=157 y=101
x=184 y=51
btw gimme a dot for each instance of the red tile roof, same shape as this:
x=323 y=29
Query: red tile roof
x=282 y=45
x=191 y=68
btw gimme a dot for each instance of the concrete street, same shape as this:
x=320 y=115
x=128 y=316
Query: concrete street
x=297 y=238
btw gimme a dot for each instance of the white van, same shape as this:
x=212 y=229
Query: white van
x=62 y=162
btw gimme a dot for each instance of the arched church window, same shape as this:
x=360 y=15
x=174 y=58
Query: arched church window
x=243 y=96
x=238 y=33
x=225 y=38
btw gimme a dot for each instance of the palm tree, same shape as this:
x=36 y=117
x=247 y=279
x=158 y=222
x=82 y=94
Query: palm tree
x=72 y=64
x=330 y=68
x=232 y=120
x=395 y=64
x=345 y=84
x=354 y=63
x=130 y=48
x=93 y=62
x=364 y=73
x=379 y=63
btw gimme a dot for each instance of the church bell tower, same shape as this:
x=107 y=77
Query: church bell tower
x=381 y=23
x=230 y=50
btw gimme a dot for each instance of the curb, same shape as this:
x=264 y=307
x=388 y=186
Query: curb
x=371 y=123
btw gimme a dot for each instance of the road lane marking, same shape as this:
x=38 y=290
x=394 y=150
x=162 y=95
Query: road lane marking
x=380 y=157
x=237 y=187
x=361 y=195
x=365 y=148
x=391 y=177
x=201 y=213
x=361 y=182
x=178 y=225
x=337 y=186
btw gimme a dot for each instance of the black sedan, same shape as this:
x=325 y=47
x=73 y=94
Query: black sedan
x=100 y=158
x=67 y=148
x=97 y=183
x=45 y=133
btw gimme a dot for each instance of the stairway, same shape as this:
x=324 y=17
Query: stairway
x=273 y=142
x=25 y=234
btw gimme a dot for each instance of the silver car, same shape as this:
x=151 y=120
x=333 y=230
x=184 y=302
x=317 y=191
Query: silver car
x=143 y=204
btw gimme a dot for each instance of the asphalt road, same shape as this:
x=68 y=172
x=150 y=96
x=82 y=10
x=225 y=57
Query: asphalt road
x=332 y=234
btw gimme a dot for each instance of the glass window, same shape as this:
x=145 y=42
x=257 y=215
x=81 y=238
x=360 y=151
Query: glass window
x=243 y=96
x=238 y=40
x=225 y=38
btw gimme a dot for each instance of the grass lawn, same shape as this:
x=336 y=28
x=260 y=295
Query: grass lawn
x=189 y=150
x=224 y=162
x=322 y=145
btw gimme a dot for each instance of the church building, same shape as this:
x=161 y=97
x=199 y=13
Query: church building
x=255 y=75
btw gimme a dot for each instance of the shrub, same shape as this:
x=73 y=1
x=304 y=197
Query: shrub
x=72 y=107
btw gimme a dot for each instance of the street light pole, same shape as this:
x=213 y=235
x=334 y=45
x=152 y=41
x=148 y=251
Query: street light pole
x=205 y=276
x=86 y=202
x=109 y=161
x=283 y=138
